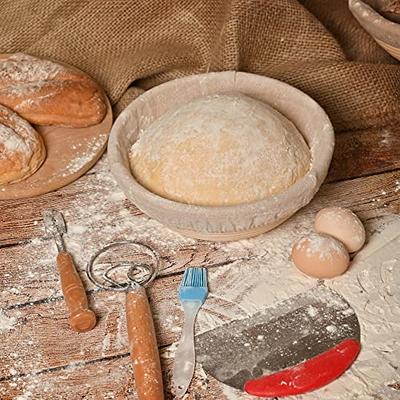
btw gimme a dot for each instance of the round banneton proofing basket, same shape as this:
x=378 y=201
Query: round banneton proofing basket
x=226 y=222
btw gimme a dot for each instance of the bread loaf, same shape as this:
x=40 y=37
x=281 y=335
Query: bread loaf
x=47 y=93
x=22 y=150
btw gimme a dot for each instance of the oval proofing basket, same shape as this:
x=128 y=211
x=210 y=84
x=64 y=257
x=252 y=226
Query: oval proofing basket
x=226 y=222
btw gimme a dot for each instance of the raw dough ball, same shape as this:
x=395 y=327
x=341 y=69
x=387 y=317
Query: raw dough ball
x=220 y=150
x=342 y=224
x=320 y=256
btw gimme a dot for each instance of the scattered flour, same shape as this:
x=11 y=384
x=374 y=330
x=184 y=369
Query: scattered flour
x=331 y=328
x=26 y=396
x=312 y=311
x=6 y=323
x=372 y=286
x=106 y=344
x=84 y=153
x=170 y=351
x=259 y=275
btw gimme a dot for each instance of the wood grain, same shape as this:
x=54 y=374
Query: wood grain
x=106 y=378
x=362 y=153
x=41 y=358
x=32 y=353
x=39 y=328
x=369 y=197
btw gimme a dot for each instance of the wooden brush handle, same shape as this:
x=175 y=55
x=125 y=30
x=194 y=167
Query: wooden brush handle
x=143 y=346
x=81 y=318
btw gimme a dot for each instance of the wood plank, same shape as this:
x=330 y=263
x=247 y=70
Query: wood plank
x=103 y=379
x=112 y=379
x=28 y=272
x=106 y=379
x=356 y=154
x=45 y=317
x=41 y=338
x=362 y=153
x=33 y=348
x=96 y=213
x=22 y=219
x=32 y=351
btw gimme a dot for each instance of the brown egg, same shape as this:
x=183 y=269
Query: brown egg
x=320 y=256
x=342 y=224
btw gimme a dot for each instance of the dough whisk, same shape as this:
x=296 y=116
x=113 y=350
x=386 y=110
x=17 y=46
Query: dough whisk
x=132 y=277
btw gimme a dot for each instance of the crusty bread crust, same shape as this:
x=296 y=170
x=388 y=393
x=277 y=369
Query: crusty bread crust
x=46 y=93
x=22 y=149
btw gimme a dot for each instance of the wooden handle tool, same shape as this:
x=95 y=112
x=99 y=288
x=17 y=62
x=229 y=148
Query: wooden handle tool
x=143 y=346
x=141 y=333
x=81 y=318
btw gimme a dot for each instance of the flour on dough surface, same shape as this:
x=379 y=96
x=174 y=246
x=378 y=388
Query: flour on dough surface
x=220 y=150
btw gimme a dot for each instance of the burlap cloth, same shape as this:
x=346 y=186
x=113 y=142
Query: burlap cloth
x=132 y=45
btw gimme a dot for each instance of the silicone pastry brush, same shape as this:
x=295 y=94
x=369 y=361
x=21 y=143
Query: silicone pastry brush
x=192 y=294
x=81 y=318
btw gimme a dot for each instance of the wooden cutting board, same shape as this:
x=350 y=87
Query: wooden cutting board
x=71 y=152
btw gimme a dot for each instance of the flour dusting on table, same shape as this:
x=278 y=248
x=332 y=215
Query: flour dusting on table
x=372 y=287
x=6 y=323
x=254 y=274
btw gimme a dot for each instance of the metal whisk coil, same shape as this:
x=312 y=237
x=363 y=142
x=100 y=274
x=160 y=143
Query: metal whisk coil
x=137 y=273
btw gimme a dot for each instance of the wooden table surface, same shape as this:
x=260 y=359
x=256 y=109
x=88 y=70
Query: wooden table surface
x=41 y=358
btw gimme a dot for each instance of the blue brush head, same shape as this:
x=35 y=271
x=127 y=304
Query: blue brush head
x=194 y=285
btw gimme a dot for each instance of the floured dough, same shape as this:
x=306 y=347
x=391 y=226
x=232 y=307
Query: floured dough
x=220 y=150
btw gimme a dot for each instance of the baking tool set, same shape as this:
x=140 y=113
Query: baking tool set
x=81 y=318
x=192 y=294
x=115 y=267
x=293 y=347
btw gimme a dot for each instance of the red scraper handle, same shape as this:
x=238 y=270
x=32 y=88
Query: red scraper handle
x=307 y=376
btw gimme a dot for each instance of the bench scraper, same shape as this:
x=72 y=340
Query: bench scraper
x=295 y=346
